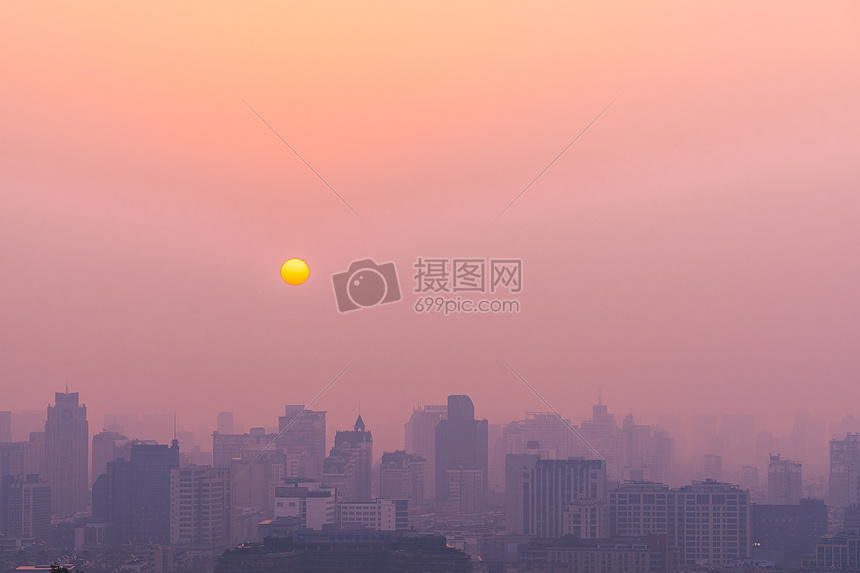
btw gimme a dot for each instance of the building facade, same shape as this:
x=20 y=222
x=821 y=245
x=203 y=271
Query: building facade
x=67 y=453
x=461 y=444
x=784 y=481
x=420 y=433
x=199 y=506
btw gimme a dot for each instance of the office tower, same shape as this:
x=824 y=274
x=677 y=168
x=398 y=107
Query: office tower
x=461 y=444
x=66 y=449
x=602 y=433
x=27 y=421
x=639 y=509
x=420 y=433
x=349 y=464
x=467 y=494
x=304 y=440
x=24 y=458
x=551 y=432
x=789 y=532
x=225 y=423
x=199 y=504
x=708 y=522
x=229 y=447
x=844 y=471
x=784 y=481
x=105 y=445
x=134 y=494
x=538 y=492
x=712 y=467
x=5 y=427
x=713 y=523
x=25 y=507
x=401 y=476
x=254 y=480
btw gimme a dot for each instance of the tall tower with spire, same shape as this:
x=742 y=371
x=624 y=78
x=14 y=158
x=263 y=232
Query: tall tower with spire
x=349 y=464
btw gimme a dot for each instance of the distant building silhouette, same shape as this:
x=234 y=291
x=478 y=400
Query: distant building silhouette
x=225 y=423
x=303 y=439
x=349 y=464
x=784 y=481
x=401 y=476
x=67 y=449
x=420 y=433
x=461 y=444
x=105 y=446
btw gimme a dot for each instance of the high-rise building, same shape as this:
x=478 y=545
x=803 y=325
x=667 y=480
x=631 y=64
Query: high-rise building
x=844 y=471
x=639 y=509
x=303 y=439
x=24 y=458
x=420 y=433
x=784 y=481
x=229 y=447
x=25 y=507
x=712 y=467
x=349 y=464
x=713 y=523
x=551 y=432
x=105 y=445
x=225 y=423
x=708 y=522
x=601 y=432
x=461 y=444
x=66 y=449
x=401 y=476
x=538 y=492
x=199 y=505
x=134 y=494
x=5 y=427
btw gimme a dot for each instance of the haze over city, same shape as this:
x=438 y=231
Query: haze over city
x=675 y=183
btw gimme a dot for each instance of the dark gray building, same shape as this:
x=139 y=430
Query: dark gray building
x=461 y=444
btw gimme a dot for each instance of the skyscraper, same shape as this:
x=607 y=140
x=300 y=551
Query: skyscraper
x=844 y=471
x=461 y=444
x=784 y=481
x=25 y=506
x=538 y=493
x=199 y=502
x=349 y=464
x=303 y=439
x=104 y=450
x=420 y=433
x=66 y=448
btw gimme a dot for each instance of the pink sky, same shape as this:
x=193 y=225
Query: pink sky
x=695 y=251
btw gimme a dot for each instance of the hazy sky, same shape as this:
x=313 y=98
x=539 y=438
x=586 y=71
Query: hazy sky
x=695 y=251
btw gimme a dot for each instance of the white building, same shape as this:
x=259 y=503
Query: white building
x=307 y=500
x=380 y=515
x=198 y=505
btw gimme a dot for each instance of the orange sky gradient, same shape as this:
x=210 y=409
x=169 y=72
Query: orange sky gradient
x=695 y=251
